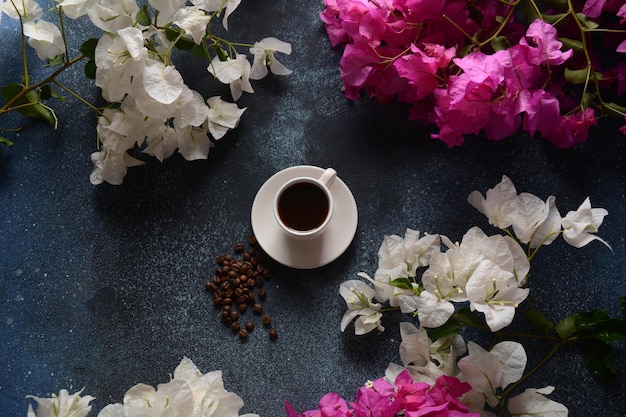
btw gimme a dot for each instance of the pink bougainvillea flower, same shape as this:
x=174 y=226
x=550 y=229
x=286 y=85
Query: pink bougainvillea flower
x=356 y=65
x=572 y=129
x=419 y=71
x=543 y=36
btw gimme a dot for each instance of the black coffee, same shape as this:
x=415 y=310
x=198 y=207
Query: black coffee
x=303 y=206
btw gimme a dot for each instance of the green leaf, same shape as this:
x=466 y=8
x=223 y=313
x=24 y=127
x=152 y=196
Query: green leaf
x=539 y=321
x=500 y=43
x=528 y=12
x=184 y=44
x=555 y=18
x=55 y=60
x=46 y=92
x=199 y=51
x=88 y=48
x=587 y=21
x=566 y=327
x=611 y=330
x=573 y=44
x=587 y=320
x=576 y=76
x=597 y=355
x=221 y=53
x=469 y=316
x=452 y=326
x=143 y=16
x=90 y=69
x=28 y=104
x=557 y=4
x=172 y=33
x=5 y=141
x=403 y=283
x=615 y=109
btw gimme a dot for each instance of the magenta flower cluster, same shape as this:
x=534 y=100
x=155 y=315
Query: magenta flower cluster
x=380 y=398
x=472 y=68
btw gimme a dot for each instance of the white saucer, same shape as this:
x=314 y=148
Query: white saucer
x=304 y=254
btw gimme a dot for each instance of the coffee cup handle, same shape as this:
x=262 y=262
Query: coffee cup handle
x=328 y=177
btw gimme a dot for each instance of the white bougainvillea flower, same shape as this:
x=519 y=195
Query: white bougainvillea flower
x=533 y=403
x=115 y=66
x=111 y=166
x=189 y=109
x=400 y=257
x=358 y=297
x=235 y=72
x=133 y=39
x=433 y=310
x=419 y=354
x=62 y=405
x=174 y=398
x=218 y=5
x=222 y=116
x=113 y=15
x=162 y=82
x=531 y=213
x=499 y=204
x=209 y=395
x=75 y=8
x=29 y=10
x=494 y=292
x=193 y=21
x=420 y=249
x=166 y=8
x=550 y=228
x=486 y=371
x=162 y=144
x=45 y=38
x=263 y=52
x=579 y=226
x=193 y=143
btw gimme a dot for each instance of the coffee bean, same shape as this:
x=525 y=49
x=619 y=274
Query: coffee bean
x=257 y=308
x=249 y=326
x=243 y=307
x=239 y=247
x=234 y=316
x=262 y=294
x=235 y=326
x=273 y=334
x=266 y=319
x=243 y=334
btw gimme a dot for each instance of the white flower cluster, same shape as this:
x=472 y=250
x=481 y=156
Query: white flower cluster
x=189 y=393
x=488 y=372
x=153 y=109
x=487 y=272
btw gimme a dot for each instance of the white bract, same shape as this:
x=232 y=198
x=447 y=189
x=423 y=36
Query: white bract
x=189 y=393
x=579 y=225
x=263 y=52
x=488 y=371
x=62 y=405
x=233 y=71
x=45 y=38
x=358 y=297
x=487 y=273
x=135 y=71
x=533 y=403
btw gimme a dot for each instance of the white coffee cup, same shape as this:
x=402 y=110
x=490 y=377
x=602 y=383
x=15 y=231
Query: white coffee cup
x=303 y=206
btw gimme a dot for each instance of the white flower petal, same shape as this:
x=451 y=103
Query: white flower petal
x=162 y=83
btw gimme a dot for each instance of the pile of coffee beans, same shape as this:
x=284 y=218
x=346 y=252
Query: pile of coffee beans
x=238 y=286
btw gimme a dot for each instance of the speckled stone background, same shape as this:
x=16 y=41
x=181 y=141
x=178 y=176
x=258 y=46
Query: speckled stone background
x=102 y=287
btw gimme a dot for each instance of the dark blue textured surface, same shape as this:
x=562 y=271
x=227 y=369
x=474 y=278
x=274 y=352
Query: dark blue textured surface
x=103 y=287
